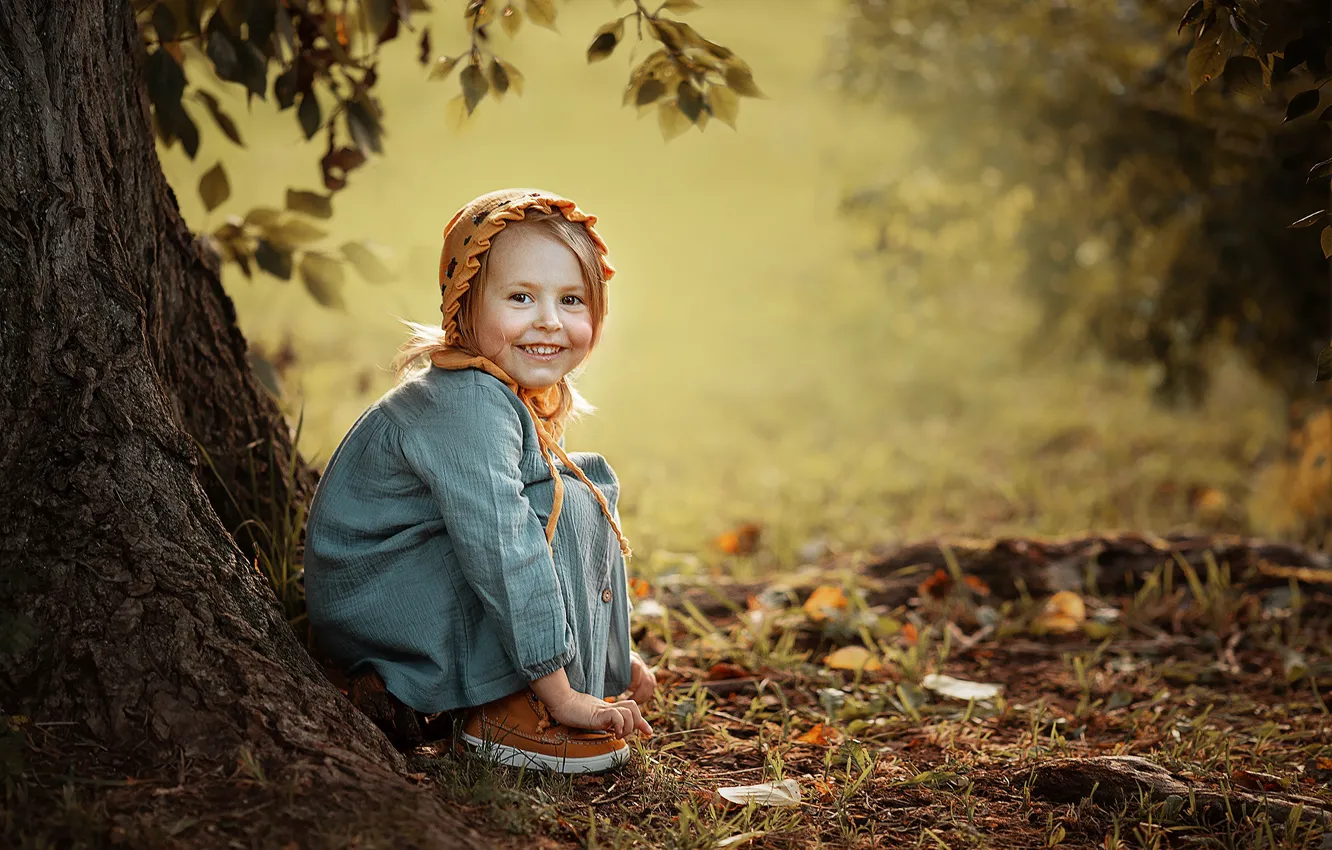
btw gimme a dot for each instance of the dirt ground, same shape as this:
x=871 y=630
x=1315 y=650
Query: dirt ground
x=1216 y=673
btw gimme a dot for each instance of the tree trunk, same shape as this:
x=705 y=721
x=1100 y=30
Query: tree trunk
x=128 y=609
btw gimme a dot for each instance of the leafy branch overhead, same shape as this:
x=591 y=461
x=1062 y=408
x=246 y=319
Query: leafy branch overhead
x=320 y=59
x=688 y=79
x=1276 y=45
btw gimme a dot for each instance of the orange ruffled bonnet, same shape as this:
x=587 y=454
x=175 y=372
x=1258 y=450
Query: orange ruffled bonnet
x=466 y=237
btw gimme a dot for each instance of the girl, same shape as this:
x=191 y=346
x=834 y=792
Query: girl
x=456 y=556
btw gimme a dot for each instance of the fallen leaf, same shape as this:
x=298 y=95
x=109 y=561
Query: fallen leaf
x=936 y=585
x=784 y=793
x=1063 y=613
x=852 y=658
x=940 y=585
x=736 y=840
x=726 y=670
x=909 y=634
x=960 y=688
x=824 y=602
x=640 y=588
x=1255 y=781
x=817 y=735
x=742 y=540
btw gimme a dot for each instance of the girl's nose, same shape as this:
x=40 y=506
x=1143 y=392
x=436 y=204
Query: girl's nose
x=548 y=318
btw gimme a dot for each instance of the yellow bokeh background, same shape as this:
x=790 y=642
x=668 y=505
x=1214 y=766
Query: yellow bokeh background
x=761 y=362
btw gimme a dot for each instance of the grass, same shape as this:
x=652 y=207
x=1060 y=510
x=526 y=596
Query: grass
x=881 y=759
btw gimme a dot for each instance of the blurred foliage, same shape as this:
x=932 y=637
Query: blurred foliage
x=323 y=60
x=1153 y=207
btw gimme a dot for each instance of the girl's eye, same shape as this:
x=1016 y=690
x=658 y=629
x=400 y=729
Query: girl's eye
x=572 y=299
x=519 y=295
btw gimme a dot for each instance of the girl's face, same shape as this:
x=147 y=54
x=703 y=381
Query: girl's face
x=533 y=318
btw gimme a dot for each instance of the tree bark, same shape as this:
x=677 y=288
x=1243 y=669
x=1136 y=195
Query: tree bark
x=127 y=608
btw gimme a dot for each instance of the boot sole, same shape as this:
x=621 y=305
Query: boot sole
x=514 y=757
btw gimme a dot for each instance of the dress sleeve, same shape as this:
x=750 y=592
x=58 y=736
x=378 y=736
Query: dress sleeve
x=467 y=450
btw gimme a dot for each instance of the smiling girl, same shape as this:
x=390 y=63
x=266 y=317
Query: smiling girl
x=456 y=557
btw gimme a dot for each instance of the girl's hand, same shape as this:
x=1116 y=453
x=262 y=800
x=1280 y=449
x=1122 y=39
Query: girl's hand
x=642 y=681
x=584 y=711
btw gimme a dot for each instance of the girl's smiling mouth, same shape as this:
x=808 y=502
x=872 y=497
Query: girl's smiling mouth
x=540 y=352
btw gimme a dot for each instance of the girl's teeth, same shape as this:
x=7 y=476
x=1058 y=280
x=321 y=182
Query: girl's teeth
x=539 y=349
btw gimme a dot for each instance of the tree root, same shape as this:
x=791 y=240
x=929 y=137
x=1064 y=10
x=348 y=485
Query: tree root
x=1119 y=780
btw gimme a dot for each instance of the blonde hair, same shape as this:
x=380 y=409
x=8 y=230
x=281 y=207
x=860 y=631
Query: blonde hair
x=414 y=354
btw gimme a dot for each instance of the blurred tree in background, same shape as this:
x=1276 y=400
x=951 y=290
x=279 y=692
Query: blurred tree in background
x=1153 y=161
x=1155 y=221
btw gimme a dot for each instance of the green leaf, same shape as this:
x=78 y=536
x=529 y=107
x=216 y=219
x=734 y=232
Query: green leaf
x=424 y=57
x=311 y=203
x=514 y=76
x=292 y=234
x=165 y=80
x=681 y=6
x=1325 y=239
x=725 y=104
x=263 y=217
x=1308 y=220
x=1324 y=365
x=499 y=79
x=649 y=92
x=273 y=260
x=164 y=23
x=284 y=88
x=264 y=372
x=1322 y=169
x=474 y=87
x=671 y=120
x=363 y=127
x=185 y=129
x=1301 y=104
x=222 y=119
x=1206 y=60
x=1194 y=12
x=443 y=66
x=367 y=262
x=542 y=13
x=380 y=13
x=324 y=278
x=741 y=80
x=1243 y=73
x=214 y=187
x=308 y=114
x=511 y=19
x=222 y=49
x=690 y=100
x=603 y=43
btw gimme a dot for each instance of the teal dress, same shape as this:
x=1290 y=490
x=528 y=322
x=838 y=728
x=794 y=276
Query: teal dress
x=426 y=556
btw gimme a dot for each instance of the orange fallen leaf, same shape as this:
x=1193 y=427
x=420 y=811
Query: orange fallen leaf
x=909 y=634
x=852 y=658
x=824 y=602
x=726 y=670
x=817 y=736
x=742 y=540
x=640 y=588
x=1063 y=613
x=936 y=585
x=940 y=584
